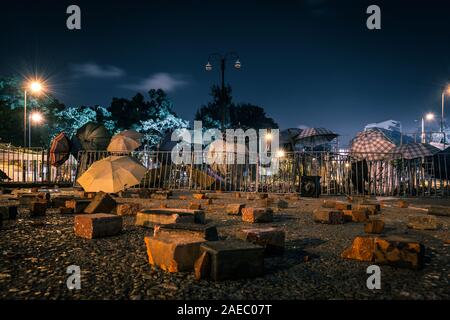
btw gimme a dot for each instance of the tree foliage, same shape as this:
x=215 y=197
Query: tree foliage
x=237 y=115
x=12 y=113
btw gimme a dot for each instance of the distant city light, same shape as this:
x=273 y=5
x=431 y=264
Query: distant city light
x=429 y=116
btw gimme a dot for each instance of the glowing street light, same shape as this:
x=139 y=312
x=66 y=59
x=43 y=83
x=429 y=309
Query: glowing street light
x=429 y=116
x=281 y=153
x=36 y=87
x=35 y=118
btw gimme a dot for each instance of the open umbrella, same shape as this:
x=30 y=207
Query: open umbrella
x=127 y=140
x=112 y=174
x=410 y=151
x=59 y=149
x=93 y=136
x=289 y=138
x=312 y=137
x=371 y=145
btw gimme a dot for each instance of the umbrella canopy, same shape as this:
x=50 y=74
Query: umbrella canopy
x=75 y=146
x=93 y=136
x=414 y=150
x=127 y=140
x=59 y=149
x=371 y=145
x=289 y=138
x=311 y=137
x=112 y=174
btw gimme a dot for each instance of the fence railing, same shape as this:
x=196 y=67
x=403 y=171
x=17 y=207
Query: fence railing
x=31 y=165
x=340 y=173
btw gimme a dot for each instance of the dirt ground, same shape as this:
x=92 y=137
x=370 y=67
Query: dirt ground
x=35 y=254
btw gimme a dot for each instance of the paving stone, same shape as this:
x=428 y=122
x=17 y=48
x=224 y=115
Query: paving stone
x=372 y=209
x=8 y=212
x=257 y=215
x=328 y=216
x=60 y=201
x=38 y=208
x=234 y=259
x=399 y=252
x=199 y=196
x=439 y=211
x=202 y=266
x=356 y=215
x=173 y=252
x=194 y=206
x=102 y=203
x=342 y=205
x=234 y=208
x=362 y=249
x=97 y=225
x=78 y=205
x=374 y=226
x=127 y=209
x=424 y=222
x=271 y=238
x=281 y=204
x=331 y=204
x=204 y=231
x=394 y=251
x=159 y=196
x=64 y=210
x=403 y=204
x=25 y=199
x=149 y=217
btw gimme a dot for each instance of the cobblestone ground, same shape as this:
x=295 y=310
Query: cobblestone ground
x=35 y=253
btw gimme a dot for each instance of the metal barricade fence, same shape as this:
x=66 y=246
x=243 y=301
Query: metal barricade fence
x=340 y=173
x=32 y=166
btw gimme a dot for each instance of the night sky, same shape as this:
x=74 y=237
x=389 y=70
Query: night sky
x=308 y=63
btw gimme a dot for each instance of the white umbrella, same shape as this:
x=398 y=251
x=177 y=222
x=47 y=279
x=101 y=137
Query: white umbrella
x=127 y=140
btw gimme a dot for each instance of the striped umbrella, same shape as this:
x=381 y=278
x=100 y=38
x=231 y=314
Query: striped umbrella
x=371 y=145
x=410 y=151
x=311 y=137
x=59 y=149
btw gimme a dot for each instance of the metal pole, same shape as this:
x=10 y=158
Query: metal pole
x=29 y=133
x=25 y=121
x=222 y=68
x=423 y=131
x=442 y=116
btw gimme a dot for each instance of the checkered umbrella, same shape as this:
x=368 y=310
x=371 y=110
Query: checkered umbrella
x=312 y=137
x=410 y=151
x=371 y=145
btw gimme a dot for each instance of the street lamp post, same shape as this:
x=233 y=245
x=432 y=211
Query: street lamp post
x=446 y=90
x=35 y=87
x=222 y=60
x=429 y=117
